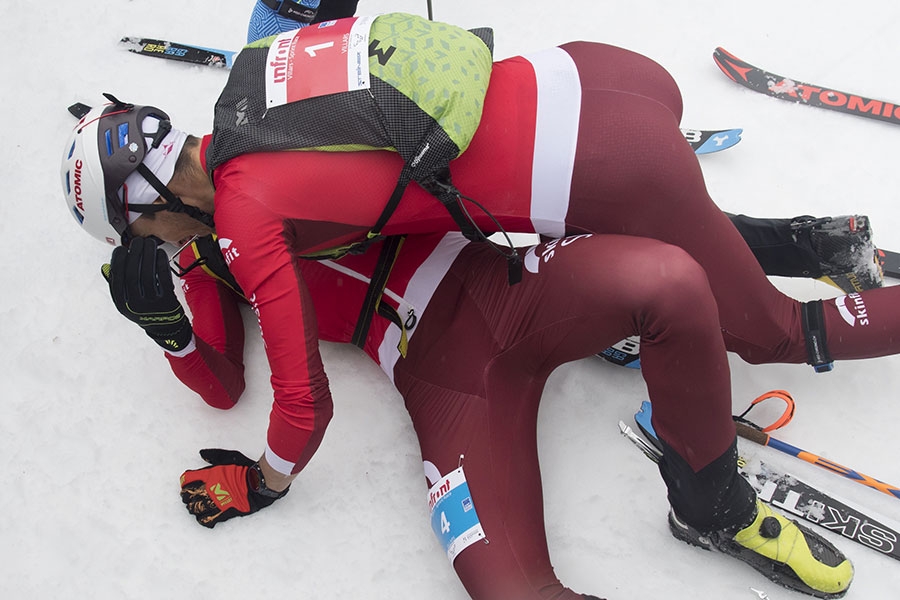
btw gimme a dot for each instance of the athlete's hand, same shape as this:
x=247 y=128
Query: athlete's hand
x=225 y=489
x=141 y=287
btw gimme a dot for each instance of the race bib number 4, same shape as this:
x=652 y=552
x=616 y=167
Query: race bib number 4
x=324 y=58
x=453 y=516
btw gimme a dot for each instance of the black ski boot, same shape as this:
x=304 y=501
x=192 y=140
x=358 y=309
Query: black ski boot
x=847 y=256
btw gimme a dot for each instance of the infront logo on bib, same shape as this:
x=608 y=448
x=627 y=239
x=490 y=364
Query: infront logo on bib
x=314 y=61
x=453 y=516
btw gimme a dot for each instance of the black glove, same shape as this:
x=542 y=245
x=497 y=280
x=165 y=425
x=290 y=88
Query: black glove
x=141 y=287
x=232 y=487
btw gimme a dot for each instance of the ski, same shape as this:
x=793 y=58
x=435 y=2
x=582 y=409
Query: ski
x=777 y=86
x=626 y=353
x=789 y=494
x=814 y=506
x=712 y=140
x=890 y=263
x=195 y=55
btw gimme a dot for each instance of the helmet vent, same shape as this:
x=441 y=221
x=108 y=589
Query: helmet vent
x=109 y=144
x=123 y=134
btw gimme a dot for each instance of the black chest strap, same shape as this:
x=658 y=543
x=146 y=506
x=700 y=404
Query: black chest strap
x=372 y=303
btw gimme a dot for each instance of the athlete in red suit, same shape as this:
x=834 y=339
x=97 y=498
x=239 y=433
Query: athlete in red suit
x=582 y=138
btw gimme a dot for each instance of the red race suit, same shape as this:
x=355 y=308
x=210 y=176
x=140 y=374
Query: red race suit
x=583 y=138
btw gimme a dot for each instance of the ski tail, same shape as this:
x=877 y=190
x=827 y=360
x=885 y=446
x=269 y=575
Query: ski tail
x=890 y=263
x=733 y=67
x=642 y=419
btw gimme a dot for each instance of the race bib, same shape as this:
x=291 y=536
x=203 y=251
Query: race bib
x=325 y=58
x=453 y=516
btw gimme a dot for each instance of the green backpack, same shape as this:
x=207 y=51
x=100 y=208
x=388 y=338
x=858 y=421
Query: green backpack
x=396 y=81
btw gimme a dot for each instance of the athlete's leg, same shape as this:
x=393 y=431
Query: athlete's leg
x=635 y=175
x=481 y=354
x=785 y=247
x=605 y=67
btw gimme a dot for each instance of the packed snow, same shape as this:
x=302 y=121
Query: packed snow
x=95 y=429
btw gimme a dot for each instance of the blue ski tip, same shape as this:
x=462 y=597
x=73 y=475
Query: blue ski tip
x=642 y=418
x=721 y=140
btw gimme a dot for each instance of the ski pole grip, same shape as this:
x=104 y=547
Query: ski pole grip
x=754 y=435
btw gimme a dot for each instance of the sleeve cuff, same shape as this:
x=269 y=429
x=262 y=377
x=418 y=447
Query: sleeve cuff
x=192 y=345
x=276 y=462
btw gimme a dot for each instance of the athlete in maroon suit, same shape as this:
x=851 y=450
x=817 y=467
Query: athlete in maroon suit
x=479 y=354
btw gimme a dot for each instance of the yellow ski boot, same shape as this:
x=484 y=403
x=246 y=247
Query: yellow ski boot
x=783 y=550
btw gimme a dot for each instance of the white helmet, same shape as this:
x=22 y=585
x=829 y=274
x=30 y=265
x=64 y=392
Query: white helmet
x=106 y=146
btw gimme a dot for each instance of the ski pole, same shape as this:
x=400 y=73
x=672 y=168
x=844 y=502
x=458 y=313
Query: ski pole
x=649 y=451
x=764 y=439
x=430 y=15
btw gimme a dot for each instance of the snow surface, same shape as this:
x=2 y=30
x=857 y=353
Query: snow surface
x=95 y=430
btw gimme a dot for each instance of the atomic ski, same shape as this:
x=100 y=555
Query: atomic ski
x=789 y=494
x=195 y=55
x=708 y=141
x=792 y=90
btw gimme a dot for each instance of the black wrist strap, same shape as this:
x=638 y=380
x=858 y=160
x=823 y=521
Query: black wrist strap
x=292 y=10
x=817 y=355
x=256 y=482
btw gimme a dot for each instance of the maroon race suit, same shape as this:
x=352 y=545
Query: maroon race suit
x=479 y=355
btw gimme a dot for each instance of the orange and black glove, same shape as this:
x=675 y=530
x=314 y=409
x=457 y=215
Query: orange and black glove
x=232 y=487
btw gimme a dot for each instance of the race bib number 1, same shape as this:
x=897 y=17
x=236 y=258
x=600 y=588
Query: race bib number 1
x=453 y=516
x=324 y=58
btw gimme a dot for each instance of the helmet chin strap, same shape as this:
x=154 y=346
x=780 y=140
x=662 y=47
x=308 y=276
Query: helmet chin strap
x=173 y=202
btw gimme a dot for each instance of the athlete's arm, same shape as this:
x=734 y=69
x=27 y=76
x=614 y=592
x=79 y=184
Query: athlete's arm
x=213 y=365
x=258 y=246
